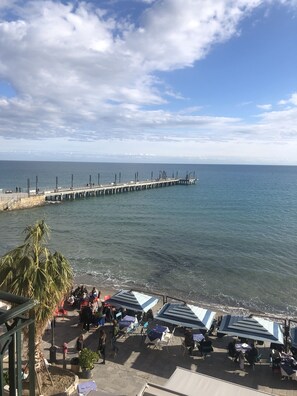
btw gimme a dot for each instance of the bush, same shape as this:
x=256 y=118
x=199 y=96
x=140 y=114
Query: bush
x=87 y=358
x=5 y=377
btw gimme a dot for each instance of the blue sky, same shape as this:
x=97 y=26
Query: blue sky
x=176 y=81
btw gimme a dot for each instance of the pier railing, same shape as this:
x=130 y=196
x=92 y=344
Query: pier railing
x=92 y=190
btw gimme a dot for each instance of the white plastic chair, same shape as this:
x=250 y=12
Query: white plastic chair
x=166 y=340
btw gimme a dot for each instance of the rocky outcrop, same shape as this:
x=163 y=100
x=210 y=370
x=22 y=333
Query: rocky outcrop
x=22 y=202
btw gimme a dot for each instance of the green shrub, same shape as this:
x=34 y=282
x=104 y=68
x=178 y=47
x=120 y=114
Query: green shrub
x=5 y=377
x=87 y=358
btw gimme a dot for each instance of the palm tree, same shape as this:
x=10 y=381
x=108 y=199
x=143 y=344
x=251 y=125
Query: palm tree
x=32 y=271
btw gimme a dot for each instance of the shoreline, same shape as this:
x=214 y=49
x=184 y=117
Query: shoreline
x=219 y=309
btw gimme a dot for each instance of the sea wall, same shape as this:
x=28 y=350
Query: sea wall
x=22 y=202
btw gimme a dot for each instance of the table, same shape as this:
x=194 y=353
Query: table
x=198 y=337
x=127 y=324
x=127 y=321
x=242 y=347
x=155 y=335
x=86 y=387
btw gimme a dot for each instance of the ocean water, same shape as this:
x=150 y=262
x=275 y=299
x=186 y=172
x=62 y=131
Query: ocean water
x=228 y=241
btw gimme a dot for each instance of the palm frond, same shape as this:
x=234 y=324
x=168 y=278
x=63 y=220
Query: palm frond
x=32 y=271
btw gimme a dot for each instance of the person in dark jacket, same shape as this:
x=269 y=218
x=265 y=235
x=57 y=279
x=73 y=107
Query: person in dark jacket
x=86 y=317
x=80 y=343
x=102 y=344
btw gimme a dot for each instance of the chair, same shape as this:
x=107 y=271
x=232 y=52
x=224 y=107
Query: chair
x=118 y=316
x=166 y=341
x=206 y=348
x=167 y=338
x=130 y=330
x=258 y=358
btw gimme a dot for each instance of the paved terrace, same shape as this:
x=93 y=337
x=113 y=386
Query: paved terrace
x=136 y=363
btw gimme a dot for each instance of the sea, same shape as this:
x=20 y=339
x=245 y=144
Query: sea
x=229 y=242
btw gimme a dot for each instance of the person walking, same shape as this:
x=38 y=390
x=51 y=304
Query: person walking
x=115 y=332
x=102 y=344
x=241 y=360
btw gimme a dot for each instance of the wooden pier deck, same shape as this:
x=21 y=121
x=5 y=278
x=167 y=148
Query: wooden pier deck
x=108 y=189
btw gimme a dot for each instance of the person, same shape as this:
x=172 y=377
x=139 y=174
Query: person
x=86 y=317
x=71 y=300
x=241 y=360
x=251 y=355
x=189 y=342
x=232 y=350
x=115 y=333
x=94 y=292
x=99 y=317
x=150 y=315
x=205 y=346
x=108 y=313
x=102 y=344
x=80 y=343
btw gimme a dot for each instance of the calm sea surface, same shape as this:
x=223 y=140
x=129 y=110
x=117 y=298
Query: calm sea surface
x=230 y=240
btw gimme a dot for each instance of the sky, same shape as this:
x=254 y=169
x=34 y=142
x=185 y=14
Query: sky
x=171 y=81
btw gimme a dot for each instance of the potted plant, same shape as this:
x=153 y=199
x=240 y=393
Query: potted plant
x=87 y=359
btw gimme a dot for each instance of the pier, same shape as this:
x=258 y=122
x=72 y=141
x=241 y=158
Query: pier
x=23 y=200
x=92 y=190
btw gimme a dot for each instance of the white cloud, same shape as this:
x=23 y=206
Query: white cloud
x=265 y=106
x=81 y=74
x=172 y=36
x=292 y=100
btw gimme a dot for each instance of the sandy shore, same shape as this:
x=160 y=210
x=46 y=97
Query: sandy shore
x=87 y=280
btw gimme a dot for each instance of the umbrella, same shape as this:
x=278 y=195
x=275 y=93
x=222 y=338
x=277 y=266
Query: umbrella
x=186 y=315
x=254 y=328
x=132 y=300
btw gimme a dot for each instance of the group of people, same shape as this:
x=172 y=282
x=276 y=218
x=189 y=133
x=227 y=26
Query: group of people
x=250 y=354
x=204 y=345
x=93 y=311
x=81 y=294
x=102 y=341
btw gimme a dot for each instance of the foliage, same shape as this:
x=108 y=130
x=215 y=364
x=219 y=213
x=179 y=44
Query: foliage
x=32 y=271
x=6 y=377
x=87 y=358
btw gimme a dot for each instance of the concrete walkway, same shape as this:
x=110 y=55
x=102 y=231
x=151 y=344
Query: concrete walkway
x=136 y=364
